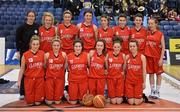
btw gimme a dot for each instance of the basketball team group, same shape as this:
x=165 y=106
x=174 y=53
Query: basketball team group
x=116 y=59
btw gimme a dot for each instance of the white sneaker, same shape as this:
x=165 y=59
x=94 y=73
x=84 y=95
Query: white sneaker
x=21 y=97
x=156 y=95
x=152 y=94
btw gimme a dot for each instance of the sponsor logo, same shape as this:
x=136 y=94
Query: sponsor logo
x=174 y=45
x=56 y=66
x=78 y=66
x=177 y=56
x=36 y=65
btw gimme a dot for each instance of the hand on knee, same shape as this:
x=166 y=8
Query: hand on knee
x=131 y=101
x=138 y=101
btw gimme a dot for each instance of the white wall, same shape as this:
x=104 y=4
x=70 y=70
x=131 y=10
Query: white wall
x=2 y=51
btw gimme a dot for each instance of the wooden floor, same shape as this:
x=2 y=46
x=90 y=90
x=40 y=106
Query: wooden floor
x=6 y=68
x=173 y=71
x=159 y=106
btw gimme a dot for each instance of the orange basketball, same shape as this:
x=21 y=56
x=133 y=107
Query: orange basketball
x=88 y=99
x=99 y=101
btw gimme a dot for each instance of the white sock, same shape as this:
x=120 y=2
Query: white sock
x=158 y=88
x=152 y=87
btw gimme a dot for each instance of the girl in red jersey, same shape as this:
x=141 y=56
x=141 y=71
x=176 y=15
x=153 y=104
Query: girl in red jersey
x=135 y=74
x=123 y=31
x=32 y=66
x=115 y=77
x=47 y=31
x=67 y=32
x=139 y=33
x=88 y=31
x=55 y=73
x=154 y=52
x=105 y=32
x=77 y=76
x=98 y=68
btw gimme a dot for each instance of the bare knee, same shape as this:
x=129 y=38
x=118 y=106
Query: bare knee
x=73 y=102
x=48 y=102
x=37 y=103
x=138 y=101
x=131 y=101
x=119 y=100
x=113 y=100
x=57 y=102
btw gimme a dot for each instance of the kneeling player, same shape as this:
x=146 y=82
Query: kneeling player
x=77 y=76
x=135 y=74
x=32 y=66
x=115 y=78
x=55 y=76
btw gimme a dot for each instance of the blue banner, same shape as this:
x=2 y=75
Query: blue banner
x=11 y=58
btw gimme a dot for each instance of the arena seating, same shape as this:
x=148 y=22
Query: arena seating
x=12 y=14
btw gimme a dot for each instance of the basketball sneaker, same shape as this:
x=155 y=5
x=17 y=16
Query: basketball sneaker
x=157 y=94
x=152 y=94
x=21 y=97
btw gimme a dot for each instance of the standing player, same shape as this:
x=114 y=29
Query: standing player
x=67 y=32
x=47 y=31
x=88 y=31
x=77 y=76
x=23 y=36
x=123 y=32
x=98 y=68
x=115 y=78
x=135 y=74
x=55 y=73
x=32 y=66
x=105 y=32
x=154 y=52
x=139 y=33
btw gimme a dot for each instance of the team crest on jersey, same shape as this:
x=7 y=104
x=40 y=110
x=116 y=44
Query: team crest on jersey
x=110 y=59
x=71 y=61
x=61 y=31
x=132 y=36
x=30 y=60
x=81 y=29
x=117 y=33
x=50 y=60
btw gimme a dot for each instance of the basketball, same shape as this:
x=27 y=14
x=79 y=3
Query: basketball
x=99 y=101
x=88 y=99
